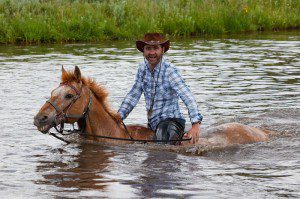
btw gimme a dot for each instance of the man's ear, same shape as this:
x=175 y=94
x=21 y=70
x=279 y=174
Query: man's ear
x=77 y=74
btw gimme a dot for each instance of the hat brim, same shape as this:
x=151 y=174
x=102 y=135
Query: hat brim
x=141 y=44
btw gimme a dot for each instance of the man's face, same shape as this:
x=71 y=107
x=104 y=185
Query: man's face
x=153 y=53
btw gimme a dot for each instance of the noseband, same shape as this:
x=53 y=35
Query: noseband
x=62 y=115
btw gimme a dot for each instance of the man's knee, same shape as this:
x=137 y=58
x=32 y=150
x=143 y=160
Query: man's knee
x=169 y=130
x=162 y=131
x=174 y=132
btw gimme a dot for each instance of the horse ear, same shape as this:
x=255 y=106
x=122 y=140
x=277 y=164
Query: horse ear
x=63 y=69
x=77 y=73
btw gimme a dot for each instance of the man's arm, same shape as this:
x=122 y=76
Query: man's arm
x=183 y=91
x=133 y=97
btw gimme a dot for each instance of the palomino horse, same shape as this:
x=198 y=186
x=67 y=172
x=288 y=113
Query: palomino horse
x=82 y=100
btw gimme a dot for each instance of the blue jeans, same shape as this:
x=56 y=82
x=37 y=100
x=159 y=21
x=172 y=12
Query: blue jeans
x=170 y=129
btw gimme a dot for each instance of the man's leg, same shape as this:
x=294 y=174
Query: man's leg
x=170 y=129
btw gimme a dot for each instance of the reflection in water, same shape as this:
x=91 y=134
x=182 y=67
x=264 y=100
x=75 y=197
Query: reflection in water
x=156 y=180
x=75 y=172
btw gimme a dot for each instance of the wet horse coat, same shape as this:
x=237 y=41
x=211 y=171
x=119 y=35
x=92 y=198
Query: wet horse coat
x=74 y=96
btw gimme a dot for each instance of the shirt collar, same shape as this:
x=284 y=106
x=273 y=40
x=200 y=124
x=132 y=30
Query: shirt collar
x=156 y=69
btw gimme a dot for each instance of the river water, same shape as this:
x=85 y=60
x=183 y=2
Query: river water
x=252 y=79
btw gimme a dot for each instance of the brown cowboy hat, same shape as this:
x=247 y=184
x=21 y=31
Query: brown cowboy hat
x=153 y=39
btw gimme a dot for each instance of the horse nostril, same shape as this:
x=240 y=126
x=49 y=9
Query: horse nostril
x=44 y=118
x=40 y=119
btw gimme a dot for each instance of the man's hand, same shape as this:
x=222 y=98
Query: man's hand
x=193 y=133
x=118 y=117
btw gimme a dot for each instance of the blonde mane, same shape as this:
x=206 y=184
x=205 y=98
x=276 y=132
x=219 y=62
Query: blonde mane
x=98 y=90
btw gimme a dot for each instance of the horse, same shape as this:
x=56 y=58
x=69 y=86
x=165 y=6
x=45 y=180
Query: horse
x=83 y=101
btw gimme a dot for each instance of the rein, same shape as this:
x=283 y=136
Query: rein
x=138 y=140
x=60 y=113
x=115 y=138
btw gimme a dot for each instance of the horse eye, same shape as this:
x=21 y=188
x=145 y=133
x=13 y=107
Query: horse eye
x=69 y=96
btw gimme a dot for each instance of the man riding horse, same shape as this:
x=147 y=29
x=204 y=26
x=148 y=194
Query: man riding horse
x=162 y=86
x=81 y=100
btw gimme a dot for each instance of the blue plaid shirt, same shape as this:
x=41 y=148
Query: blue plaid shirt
x=170 y=87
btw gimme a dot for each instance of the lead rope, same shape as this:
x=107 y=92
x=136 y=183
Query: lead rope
x=54 y=135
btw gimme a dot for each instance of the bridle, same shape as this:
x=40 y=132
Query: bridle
x=62 y=114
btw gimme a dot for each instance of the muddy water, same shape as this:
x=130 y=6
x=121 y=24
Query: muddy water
x=252 y=79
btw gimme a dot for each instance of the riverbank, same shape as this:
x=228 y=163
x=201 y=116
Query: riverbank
x=86 y=21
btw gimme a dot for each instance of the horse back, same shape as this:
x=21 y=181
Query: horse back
x=234 y=133
x=140 y=132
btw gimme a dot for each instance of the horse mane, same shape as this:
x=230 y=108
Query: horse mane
x=98 y=90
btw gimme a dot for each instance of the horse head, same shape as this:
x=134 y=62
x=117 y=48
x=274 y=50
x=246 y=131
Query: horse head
x=69 y=102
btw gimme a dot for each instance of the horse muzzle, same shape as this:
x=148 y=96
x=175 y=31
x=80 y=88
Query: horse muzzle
x=44 y=123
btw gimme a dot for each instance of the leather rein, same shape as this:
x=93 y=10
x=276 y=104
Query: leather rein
x=61 y=115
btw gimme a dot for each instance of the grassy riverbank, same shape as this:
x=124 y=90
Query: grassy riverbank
x=45 y=21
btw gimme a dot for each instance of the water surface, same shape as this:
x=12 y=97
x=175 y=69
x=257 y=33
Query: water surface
x=251 y=79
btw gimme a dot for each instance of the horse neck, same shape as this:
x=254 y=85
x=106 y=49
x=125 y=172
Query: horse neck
x=100 y=122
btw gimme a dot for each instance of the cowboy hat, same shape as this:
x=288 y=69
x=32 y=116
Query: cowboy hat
x=153 y=39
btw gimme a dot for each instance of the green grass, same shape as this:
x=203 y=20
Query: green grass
x=48 y=21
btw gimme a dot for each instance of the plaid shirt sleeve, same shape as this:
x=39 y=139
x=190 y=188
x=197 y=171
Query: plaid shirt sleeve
x=183 y=91
x=134 y=95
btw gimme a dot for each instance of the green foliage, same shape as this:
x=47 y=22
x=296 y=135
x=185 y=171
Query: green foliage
x=44 y=21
